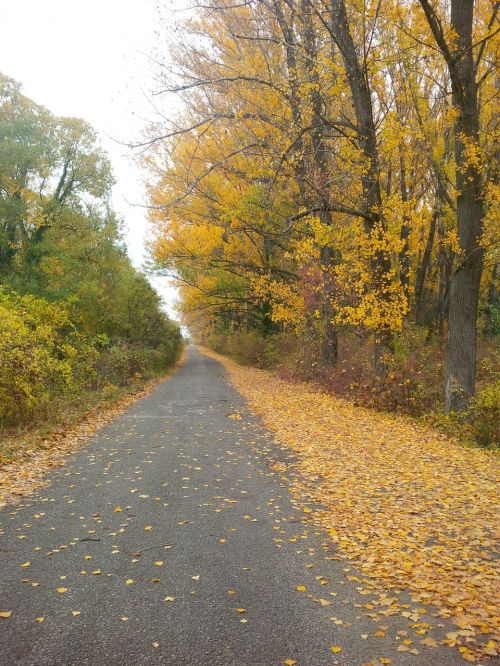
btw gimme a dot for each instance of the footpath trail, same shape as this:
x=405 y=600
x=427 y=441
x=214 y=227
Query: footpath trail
x=169 y=539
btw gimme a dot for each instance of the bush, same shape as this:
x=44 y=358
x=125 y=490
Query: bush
x=42 y=355
x=45 y=360
x=483 y=417
x=247 y=347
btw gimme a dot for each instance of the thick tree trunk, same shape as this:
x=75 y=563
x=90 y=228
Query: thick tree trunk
x=445 y=262
x=464 y=291
x=458 y=53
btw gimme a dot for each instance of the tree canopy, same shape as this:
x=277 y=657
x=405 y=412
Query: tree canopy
x=334 y=168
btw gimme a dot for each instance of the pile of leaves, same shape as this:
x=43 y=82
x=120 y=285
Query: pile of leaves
x=414 y=509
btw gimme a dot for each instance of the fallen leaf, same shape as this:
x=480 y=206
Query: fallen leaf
x=429 y=642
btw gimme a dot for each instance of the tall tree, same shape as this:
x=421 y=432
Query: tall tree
x=462 y=57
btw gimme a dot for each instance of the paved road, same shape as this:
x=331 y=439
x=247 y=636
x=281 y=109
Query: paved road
x=172 y=541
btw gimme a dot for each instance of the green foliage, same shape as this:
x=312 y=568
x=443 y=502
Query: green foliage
x=75 y=315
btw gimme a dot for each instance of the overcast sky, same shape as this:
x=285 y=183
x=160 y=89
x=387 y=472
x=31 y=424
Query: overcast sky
x=91 y=60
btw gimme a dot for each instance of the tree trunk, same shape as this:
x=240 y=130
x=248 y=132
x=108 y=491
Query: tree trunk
x=492 y=301
x=423 y=269
x=460 y=368
x=370 y=180
x=404 y=255
x=328 y=256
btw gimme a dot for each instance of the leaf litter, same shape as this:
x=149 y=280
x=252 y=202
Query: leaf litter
x=412 y=508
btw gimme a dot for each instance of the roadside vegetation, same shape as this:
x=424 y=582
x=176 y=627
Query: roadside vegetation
x=79 y=325
x=328 y=198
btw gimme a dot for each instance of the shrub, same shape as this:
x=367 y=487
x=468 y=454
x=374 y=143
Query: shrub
x=483 y=417
x=46 y=361
x=42 y=355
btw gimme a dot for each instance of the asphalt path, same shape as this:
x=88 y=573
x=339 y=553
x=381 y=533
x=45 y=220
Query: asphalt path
x=170 y=538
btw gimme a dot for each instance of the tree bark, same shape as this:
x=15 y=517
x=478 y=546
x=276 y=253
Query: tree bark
x=460 y=366
x=423 y=268
x=329 y=336
x=370 y=180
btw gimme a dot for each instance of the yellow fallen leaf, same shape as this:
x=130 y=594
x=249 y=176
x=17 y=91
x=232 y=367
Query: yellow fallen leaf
x=129 y=581
x=76 y=613
x=169 y=599
x=195 y=577
x=26 y=564
x=5 y=614
x=385 y=661
x=62 y=590
x=336 y=649
x=124 y=619
x=290 y=662
x=240 y=610
x=96 y=572
x=148 y=528
x=39 y=619
x=118 y=509
x=155 y=644
x=159 y=563
x=301 y=588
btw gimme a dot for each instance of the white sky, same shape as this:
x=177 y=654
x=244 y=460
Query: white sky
x=90 y=60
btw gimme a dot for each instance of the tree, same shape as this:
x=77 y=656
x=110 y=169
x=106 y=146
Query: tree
x=463 y=56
